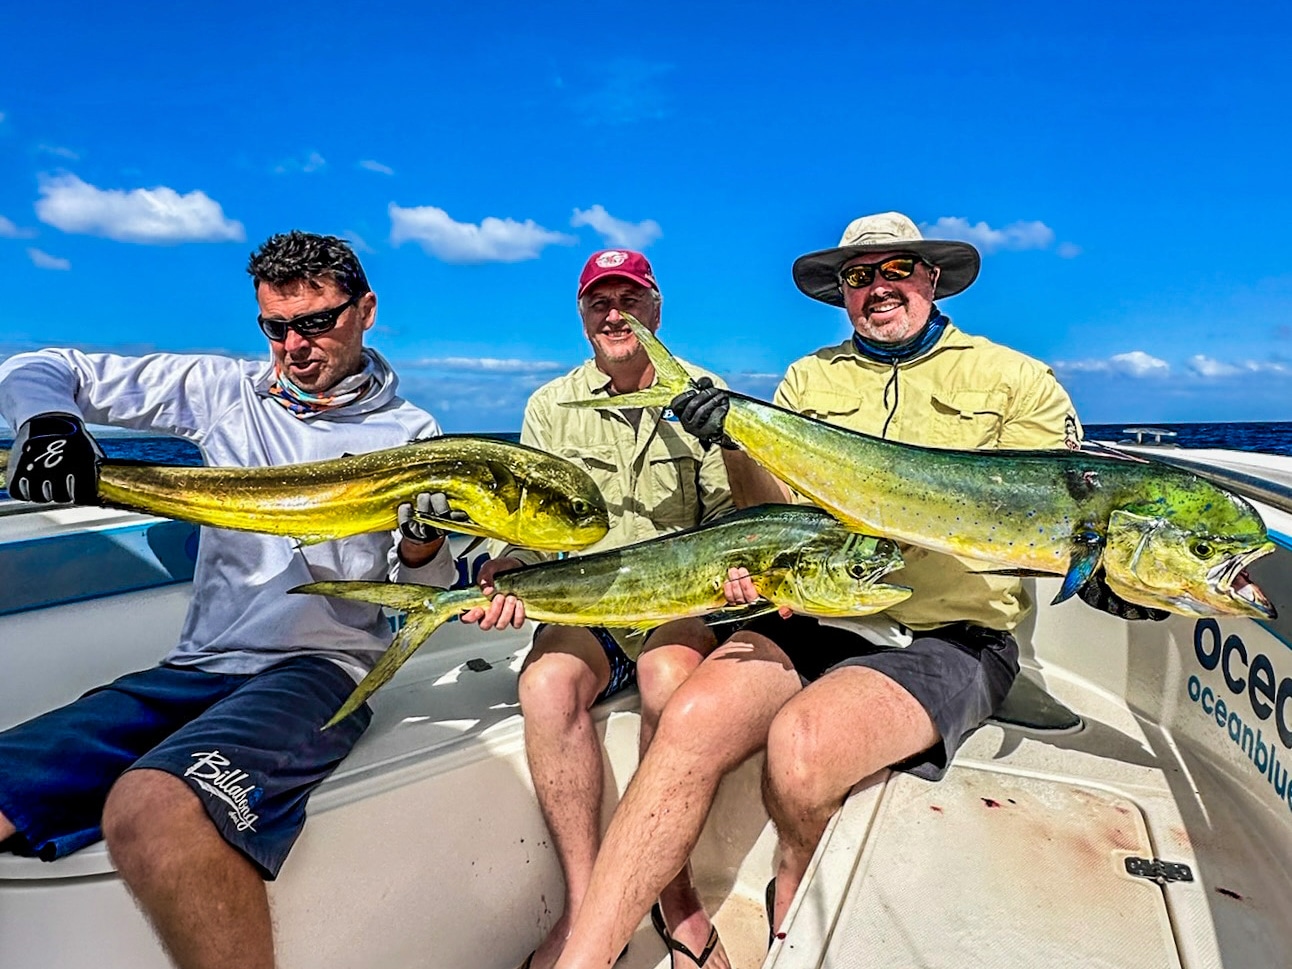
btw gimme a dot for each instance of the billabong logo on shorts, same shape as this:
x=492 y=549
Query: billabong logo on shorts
x=611 y=259
x=210 y=775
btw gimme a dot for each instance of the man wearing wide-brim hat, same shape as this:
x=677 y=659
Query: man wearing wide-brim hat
x=903 y=688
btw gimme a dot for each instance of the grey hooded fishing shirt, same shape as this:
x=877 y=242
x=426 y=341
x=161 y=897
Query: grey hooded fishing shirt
x=241 y=619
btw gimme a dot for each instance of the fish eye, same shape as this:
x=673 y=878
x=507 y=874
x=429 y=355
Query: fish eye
x=580 y=506
x=1203 y=550
x=857 y=570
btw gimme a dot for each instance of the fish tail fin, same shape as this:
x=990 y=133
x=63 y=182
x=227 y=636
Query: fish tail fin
x=427 y=609
x=671 y=377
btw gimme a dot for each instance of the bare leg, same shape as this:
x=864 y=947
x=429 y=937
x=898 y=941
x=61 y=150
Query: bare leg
x=562 y=676
x=7 y=830
x=837 y=731
x=206 y=901
x=665 y=664
x=714 y=721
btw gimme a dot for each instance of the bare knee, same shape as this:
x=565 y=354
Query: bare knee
x=661 y=671
x=557 y=687
x=797 y=755
x=150 y=815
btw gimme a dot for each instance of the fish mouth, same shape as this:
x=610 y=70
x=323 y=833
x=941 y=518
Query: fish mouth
x=1230 y=578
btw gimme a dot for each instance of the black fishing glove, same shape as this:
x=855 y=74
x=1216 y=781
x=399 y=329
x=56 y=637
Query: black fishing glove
x=54 y=460
x=434 y=503
x=702 y=409
x=1096 y=593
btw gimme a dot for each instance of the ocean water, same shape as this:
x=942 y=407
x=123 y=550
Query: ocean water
x=1270 y=437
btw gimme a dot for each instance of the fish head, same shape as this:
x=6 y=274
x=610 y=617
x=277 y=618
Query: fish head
x=559 y=510
x=839 y=573
x=1194 y=565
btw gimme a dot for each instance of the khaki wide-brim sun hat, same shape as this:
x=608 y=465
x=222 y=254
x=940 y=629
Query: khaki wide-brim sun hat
x=817 y=273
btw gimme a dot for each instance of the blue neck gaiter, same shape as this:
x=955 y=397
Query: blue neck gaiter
x=916 y=346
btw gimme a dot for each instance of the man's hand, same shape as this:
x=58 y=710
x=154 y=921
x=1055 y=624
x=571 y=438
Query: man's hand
x=418 y=539
x=1095 y=592
x=739 y=590
x=54 y=460
x=503 y=611
x=702 y=409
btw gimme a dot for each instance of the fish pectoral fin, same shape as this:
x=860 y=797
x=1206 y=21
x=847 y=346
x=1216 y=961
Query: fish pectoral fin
x=446 y=522
x=1087 y=550
x=740 y=613
x=1017 y=573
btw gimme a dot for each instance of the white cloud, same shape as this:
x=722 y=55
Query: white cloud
x=43 y=260
x=58 y=151
x=10 y=231
x=376 y=166
x=1016 y=235
x=493 y=240
x=1208 y=367
x=1137 y=363
x=156 y=216
x=357 y=241
x=489 y=365
x=617 y=232
x=312 y=162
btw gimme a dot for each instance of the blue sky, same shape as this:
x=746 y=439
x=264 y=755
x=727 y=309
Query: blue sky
x=1123 y=167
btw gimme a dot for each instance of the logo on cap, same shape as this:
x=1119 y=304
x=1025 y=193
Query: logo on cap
x=611 y=259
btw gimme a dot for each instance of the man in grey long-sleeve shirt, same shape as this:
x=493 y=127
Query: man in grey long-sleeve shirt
x=181 y=767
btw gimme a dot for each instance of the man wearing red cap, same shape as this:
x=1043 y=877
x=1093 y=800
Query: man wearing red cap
x=656 y=479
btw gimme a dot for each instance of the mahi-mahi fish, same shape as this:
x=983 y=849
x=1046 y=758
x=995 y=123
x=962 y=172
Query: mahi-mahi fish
x=507 y=491
x=1165 y=537
x=797 y=556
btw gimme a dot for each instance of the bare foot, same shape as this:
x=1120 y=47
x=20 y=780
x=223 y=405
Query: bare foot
x=694 y=931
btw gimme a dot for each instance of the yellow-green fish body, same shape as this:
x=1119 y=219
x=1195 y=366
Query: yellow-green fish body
x=797 y=556
x=508 y=491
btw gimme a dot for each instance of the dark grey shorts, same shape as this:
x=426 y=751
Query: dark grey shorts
x=958 y=673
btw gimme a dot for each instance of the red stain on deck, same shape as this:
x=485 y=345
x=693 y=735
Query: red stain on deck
x=934 y=807
x=1228 y=893
x=989 y=802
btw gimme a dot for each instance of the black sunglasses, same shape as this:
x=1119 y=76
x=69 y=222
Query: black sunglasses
x=862 y=274
x=310 y=324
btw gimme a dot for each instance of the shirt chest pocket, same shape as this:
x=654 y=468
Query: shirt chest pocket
x=842 y=410
x=965 y=419
x=601 y=461
x=669 y=492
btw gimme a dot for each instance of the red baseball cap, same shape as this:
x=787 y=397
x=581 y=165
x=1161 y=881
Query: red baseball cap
x=617 y=262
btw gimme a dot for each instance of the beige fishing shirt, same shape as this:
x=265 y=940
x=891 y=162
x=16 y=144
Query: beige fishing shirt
x=967 y=392
x=655 y=477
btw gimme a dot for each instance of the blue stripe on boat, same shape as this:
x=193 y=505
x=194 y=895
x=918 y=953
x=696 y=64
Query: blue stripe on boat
x=72 y=567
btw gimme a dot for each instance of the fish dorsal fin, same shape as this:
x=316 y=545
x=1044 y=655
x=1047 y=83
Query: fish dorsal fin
x=1086 y=550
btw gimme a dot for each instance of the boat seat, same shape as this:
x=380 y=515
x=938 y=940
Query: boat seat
x=445 y=701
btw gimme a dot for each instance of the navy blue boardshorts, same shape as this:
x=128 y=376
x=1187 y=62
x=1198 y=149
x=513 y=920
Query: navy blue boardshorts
x=623 y=671
x=959 y=673
x=249 y=747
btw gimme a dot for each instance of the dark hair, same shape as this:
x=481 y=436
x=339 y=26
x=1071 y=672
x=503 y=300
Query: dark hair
x=292 y=256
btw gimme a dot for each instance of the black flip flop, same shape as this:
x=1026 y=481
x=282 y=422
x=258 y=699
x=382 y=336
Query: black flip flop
x=657 y=920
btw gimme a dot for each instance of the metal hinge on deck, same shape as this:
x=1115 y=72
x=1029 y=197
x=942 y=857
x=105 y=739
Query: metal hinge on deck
x=1154 y=869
